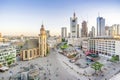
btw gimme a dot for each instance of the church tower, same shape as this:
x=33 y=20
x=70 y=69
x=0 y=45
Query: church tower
x=42 y=41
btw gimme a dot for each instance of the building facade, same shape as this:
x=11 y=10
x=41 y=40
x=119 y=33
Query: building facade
x=64 y=32
x=85 y=44
x=48 y=33
x=35 y=47
x=93 y=31
x=116 y=30
x=100 y=26
x=7 y=54
x=74 y=26
x=84 y=30
x=105 y=46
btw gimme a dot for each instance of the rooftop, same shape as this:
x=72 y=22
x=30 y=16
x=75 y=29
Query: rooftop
x=32 y=43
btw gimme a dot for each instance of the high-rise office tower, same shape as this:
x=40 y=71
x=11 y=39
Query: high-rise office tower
x=78 y=31
x=107 y=28
x=84 y=30
x=93 y=31
x=74 y=26
x=64 y=32
x=116 y=29
x=100 y=26
x=48 y=33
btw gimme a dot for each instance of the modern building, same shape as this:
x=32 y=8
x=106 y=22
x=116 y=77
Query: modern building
x=92 y=32
x=84 y=30
x=7 y=54
x=107 y=31
x=48 y=33
x=64 y=32
x=74 y=26
x=105 y=46
x=85 y=44
x=74 y=41
x=116 y=30
x=35 y=47
x=78 y=31
x=100 y=26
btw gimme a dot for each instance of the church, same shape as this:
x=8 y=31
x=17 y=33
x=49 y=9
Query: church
x=34 y=48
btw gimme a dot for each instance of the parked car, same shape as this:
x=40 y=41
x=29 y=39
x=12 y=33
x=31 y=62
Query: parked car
x=4 y=68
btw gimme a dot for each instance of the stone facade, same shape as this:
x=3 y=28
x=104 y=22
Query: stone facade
x=34 y=48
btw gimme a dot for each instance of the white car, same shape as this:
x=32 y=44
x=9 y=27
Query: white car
x=4 y=68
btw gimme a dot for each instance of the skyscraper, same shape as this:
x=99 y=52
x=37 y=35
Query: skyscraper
x=116 y=29
x=64 y=32
x=84 y=30
x=107 y=30
x=100 y=26
x=78 y=31
x=74 y=26
x=93 y=31
x=48 y=33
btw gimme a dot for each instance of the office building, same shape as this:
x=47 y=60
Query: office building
x=74 y=26
x=64 y=32
x=93 y=31
x=48 y=33
x=84 y=30
x=105 y=46
x=100 y=26
x=7 y=54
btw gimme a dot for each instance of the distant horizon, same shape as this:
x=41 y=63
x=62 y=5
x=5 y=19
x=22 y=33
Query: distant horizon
x=25 y=17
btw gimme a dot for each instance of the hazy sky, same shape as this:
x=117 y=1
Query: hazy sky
x=26 y=16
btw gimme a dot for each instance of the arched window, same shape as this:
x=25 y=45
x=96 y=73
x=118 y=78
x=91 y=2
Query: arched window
x=30 y=53
x=37 y=51
x=34 y=52
x=25 y=54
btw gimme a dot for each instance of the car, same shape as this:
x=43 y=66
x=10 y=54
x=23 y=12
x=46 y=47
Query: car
x=4 y=68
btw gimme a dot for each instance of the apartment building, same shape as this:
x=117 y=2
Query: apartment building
x=7 y=54
x=105 y=46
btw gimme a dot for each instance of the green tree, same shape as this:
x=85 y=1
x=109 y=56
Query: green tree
x=9 y=59
x=114 y=58
x=97 y=66
x=63 y=40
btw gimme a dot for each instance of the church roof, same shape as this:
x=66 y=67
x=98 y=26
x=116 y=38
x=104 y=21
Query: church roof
x=30 y=44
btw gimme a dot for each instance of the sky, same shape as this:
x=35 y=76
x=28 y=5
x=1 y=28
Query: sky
x=26 y=16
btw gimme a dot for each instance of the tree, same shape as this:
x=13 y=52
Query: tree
x=63 y=40
x=9 y=59
x=97 y=66
x=114 y=58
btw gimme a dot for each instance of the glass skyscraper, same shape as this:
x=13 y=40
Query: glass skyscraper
x=100 y=26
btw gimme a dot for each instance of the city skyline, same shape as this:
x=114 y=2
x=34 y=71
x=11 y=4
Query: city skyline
x=26 y=16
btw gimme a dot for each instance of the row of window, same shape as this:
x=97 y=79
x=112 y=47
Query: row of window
x=26 y=53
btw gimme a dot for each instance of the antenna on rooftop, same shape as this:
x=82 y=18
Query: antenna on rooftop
x=98 y=14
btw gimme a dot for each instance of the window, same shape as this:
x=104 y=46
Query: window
x=30 y=53
x=34 y=52
x=37 y=51
x=25 y=54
